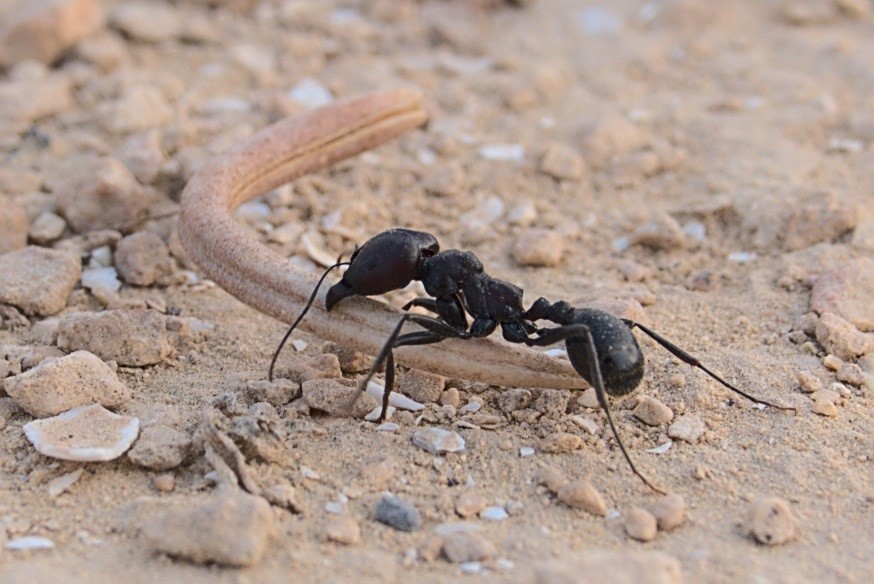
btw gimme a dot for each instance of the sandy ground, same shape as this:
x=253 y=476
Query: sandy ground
x=736 y=121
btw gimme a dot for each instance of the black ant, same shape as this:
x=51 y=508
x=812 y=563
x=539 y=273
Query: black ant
x=600 y=346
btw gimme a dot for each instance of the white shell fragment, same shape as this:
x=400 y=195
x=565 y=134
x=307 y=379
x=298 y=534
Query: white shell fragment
x=84 y=434
x=661 y=448
x=438 y=440
x=62 y=483
x=396 y=400
x=30 y=542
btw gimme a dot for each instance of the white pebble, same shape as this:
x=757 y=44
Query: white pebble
x=105 y=278
x=388 y=427
x=471 y=407
x=505 y=152
x=526 y=451
x=397 y=400
x=85 y=434
x=30 y=542
x=742 y=257
x=438 y=440
x=494 y=514
x=375 y=413
x=661 y=448
x=311 y=93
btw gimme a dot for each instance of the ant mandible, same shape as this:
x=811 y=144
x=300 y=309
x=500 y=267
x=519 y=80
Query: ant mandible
x=600 y=346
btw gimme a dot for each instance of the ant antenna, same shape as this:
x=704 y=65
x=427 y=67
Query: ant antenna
x=302 y=314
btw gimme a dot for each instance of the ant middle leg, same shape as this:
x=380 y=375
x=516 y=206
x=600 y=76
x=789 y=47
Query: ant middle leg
x=689 y=359
x=435 y=331
x=583 y=335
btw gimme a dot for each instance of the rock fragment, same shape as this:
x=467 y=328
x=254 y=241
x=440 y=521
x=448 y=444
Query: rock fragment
x=581 y=494
x=614 y=136
x=660 y=232
x=300 y=368
x=469 y=504
x=551 y=478
x=24 y=101
x=841 y=338
x=397 y=513
x=770 y=521
x=561 y=442
x=13 y=227
x=334 y=398
x=140 y=108
x=148 y=22
x=38 y=280
x=438 y=440
x=467 y=546
x=539 y=248
x=343 y=529
x=142 y=155
x=99 y=193
x=640 y=524
x=46 y=228
x=276 y=393
x=421 y=386
x=43 y=30
x=653 y=412
x=84 y=434
x=846 y=291
x=231 y=527
x=61 y=384
x=669 y=511
x=687 y=427
x=130 y=337
x=142 y=259
x=562 y=162
x=514 y=399
x=161 y=448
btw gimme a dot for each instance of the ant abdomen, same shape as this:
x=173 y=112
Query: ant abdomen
x=619 y=356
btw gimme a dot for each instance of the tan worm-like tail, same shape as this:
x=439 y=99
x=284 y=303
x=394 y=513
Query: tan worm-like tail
x=266 y=281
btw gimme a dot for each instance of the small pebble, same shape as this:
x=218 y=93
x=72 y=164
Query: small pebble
x=438 y=440
x=503 y=152
x=840 y=338
x=13 y=227
x=808 y=383
x=526 y=451
x=581 y=494
x=38 y=280
x=640 y=524
x=334 y=398
x=161 y=448
x=551 y=478
x=46 y=228
x=421 y=386
x=652 y=412
x=164 y=483
x=561 y=442
x=469 y=504
x=825 y=408
x=661 y=232
x=539 y=248
x=228 y=527
x=468 y=546
x=142 y=259
x=562 y=162
x=494 y=514
x=688 y=427
x=770 y=521
x=397 y=513
x=669 y=511
x=55 y=386
x=589 y=399
x=514 y=399
x=343 y=529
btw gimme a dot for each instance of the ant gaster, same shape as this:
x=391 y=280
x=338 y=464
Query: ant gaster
x=600 y=346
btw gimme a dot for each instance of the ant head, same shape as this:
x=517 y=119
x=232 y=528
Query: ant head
x=388 y=261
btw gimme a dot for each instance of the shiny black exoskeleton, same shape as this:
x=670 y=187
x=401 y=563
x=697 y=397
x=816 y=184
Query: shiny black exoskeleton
x=600 y=346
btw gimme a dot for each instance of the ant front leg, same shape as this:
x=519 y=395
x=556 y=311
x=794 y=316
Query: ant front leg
x=694 y=362
x=585 y=342
x=436 y=331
